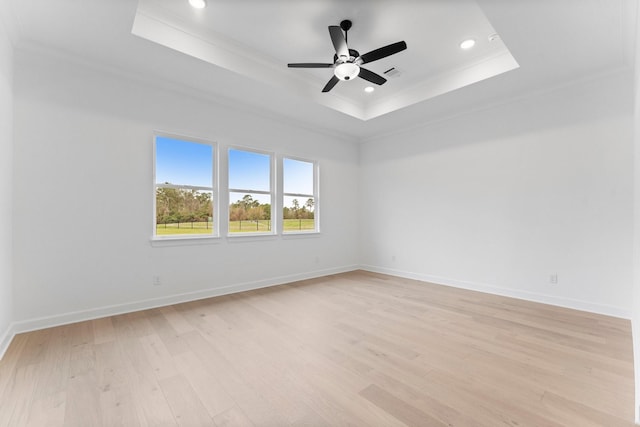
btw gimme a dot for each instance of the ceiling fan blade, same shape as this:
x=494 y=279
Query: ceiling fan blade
x=338 y=40
x=383 y=52
x=309 y=65
x=371 y=76
x=334 y=80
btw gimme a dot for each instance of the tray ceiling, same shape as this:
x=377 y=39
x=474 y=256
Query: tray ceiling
x=257 y=39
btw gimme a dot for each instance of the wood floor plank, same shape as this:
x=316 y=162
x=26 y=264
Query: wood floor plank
x=357 y=349
x=184 y=402
x=158 y=357
x=177 y=322
x=435 y=405
x=17 y=400
x=82 y=406
x=113 y=381
x=251 y=402
x=213 y=395
x=400 y=409
x=53 y=370
x=48 y=411
x=103 y=330
x=151 y=406
x=164 y=329
x=232 y=417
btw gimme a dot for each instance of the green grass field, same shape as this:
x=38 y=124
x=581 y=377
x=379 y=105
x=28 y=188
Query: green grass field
x=184 y=228
x=261 y=226
x=299 y=224
x=264 y=225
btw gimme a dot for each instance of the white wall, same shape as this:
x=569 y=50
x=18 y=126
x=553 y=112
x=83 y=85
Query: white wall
x=636 y=217
x=636 y=235
x=83 y=196
x=6 y=174
x=500 y=199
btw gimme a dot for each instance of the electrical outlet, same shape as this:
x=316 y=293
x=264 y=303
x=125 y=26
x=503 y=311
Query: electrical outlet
x=156 y=281
x=553 y=278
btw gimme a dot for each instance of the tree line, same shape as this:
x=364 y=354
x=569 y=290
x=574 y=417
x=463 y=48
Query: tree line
x=297 y=211
x=175 y=205
x=248 y=208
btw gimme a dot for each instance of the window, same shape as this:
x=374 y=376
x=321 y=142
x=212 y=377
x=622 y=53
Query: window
x=250 y=192
x=300 y=201
x=185 y=194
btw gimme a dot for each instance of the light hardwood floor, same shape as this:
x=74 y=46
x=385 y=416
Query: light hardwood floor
x=356 y=349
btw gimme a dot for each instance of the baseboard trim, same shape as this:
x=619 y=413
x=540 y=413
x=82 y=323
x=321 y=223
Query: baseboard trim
x=512 y=293
x=6 y=338
x=112 y=310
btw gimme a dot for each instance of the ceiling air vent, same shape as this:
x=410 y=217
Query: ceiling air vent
x=392 y=72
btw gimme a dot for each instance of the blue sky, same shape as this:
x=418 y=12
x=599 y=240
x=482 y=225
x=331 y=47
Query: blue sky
x=183 y=163
x=248 y=170
x=190 y=163
x=298 y=176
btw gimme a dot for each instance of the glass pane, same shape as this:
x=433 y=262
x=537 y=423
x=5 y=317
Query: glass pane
x=249 y=213
x=183 y=163
x=180 y=211
x=249 y=171
x=297 y=176
x=298 y=214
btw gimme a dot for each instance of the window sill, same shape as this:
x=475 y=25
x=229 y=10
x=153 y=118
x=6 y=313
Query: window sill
x=246 y=237
x=300 y=234
x=231 y=238
x=184 y=240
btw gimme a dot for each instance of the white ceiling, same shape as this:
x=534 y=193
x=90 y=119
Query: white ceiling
x=258 y=38
x=554 y=43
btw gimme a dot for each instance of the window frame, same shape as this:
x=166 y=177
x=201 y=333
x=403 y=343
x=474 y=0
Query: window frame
x=272 y=192
x=214 y=189
x=316 y=196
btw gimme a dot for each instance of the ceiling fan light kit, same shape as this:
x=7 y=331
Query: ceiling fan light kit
x=347 y=63
x=346 y=70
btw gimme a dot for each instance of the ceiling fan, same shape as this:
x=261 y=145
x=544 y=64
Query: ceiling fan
x=347 y=63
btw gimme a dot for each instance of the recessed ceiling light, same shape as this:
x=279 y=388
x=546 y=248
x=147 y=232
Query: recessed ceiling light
x=198 y=4
x=369 y=89
x=467 y=44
